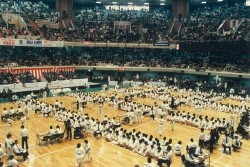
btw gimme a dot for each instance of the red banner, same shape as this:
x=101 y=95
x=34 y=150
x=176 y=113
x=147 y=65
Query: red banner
x=37 y=71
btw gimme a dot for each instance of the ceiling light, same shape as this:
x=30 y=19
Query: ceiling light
x=162 y=0
x=146 y=3
x=130 y=3
x=220 y=0
x=162 y=4
x=98 y=2
x=114 y=2
x=203 y=2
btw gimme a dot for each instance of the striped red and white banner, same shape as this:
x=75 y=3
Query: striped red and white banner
x=65 y=68
x=37 y=71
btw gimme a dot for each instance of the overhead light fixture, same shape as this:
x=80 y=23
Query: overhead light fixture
x=162 y=0
x=114 y=2
x=220 y=0
x=203 y=2
x=130 y=3
x=146 y=3
x=162 y=4
x=98 y=2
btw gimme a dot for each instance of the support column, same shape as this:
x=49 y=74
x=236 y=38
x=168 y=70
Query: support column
x=180 y=9
x=65 y=7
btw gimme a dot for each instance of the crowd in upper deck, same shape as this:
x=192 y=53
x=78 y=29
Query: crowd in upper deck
x=97 y=24
x=205 y=21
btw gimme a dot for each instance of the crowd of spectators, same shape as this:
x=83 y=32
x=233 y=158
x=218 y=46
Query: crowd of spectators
x=145 y=26
x=52 y=76
x=7 y=78
x=97 y=24
x=62 y=75
x=31 y=56
x=205 y=21
x=69 y=74
x=27 y=10
x=135 y=57
x=11 y=78
x=26 y=77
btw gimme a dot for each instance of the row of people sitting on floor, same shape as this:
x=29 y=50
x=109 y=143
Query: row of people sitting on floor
x=143 y=144
x=200 y=101
x=135 y=112
x=198 y=121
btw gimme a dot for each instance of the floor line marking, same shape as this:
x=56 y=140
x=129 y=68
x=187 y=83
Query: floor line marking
x=218 y=159
x=55 y=151
x=134 y=127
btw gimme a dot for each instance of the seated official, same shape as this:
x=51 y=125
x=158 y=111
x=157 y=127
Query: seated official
x=177 y=148
x=236 y=143
x=51 y=131
x=149 y=163
x=12 y=112
x=12 y=162
x=192 y=161
x=226 y=143
x=98 y=129
x=5 y=112
x=58 y=130
x=199 y=151
x=19 y=151
x=189 y=160
x=192 y=146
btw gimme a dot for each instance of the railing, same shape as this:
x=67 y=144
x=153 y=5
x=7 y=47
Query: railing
x=34 y=24
x=1 y=35
x=64 y=26
x=171 y=29
x=221 y=25
x=72 y=25
x=179 y=29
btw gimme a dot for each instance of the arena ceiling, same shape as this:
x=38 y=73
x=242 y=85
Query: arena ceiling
x=142 y=2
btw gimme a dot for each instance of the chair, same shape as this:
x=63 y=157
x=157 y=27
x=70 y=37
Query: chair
x=44 y=139
x=12 y=116
x=60 y=137
x=5 y=117
x=19 y=115
x=54 y=137
x=192 y=150
x=78 y=133
x=18 y=155
x=183 y=160
x=186 y=163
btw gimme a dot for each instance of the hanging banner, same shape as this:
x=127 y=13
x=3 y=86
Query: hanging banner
x=31 y=43
x=52 y=43
x=34 y=43
x=8 y=42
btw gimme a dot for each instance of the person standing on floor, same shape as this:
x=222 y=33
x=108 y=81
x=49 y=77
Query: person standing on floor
x=161 y=125
x=87 y=149
x=68 y=127
x=24 y=134
x=8 y=144
x=9 y=125
x=172 y=122
x=79 y=154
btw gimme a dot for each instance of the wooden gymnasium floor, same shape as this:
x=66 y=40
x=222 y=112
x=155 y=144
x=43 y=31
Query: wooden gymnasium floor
x=107 y=155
